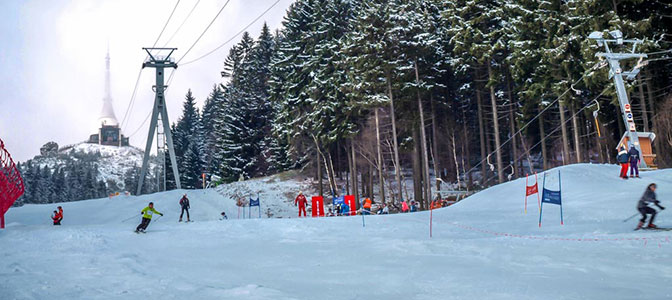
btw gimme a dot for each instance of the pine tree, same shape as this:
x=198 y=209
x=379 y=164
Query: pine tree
x=188 y=143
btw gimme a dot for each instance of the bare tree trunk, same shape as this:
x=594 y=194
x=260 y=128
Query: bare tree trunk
x=649 y=90
x=527 y=154
x=328 y=164
x=512 y=123
x=397 y=165
x=563 y=127
x=481 y=129
x=577 y=144
x=319 y=171
x=417 y=169
x=495 y=122
x=380 y=159
x=465 y=149
x=339 y=161
x=370 y=181
x=542 y=136
x=457 y=166
x=332 y=177
x=354 y=172
x=642 y=103
x=349 y=175
x=435 y=142
x=423 y=136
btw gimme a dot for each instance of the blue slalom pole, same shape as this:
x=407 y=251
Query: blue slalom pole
x=363 y=225
x=562 y=222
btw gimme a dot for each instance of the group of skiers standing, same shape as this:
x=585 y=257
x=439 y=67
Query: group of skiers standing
x=343 y=209
x=628 y=159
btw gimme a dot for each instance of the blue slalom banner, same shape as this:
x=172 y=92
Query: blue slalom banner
x=551 y=197
x=254 y=203
x=338 y=200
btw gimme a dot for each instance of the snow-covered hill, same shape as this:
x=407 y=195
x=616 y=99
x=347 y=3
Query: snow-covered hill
x=114 y=162
x=484 y=247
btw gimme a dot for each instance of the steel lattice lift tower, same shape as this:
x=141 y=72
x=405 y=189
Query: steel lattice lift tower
x=159 y=63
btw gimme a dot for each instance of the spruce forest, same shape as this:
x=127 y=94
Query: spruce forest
x=398 y=99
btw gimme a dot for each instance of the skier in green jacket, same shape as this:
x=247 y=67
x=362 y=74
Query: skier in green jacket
x=147 y=213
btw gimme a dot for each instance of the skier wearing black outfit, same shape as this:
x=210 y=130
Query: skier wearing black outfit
x=184 y=203
x=643 y=207
x=634 y=161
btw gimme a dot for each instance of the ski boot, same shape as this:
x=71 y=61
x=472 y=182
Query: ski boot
x=639 y=226
x=652 y=226
x=180 y=220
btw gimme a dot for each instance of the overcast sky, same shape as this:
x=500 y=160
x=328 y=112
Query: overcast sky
x=52 y=62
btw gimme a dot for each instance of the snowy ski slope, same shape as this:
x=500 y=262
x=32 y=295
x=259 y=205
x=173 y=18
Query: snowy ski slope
x=484 y=247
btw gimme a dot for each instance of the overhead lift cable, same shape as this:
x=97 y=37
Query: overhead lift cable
x=596 y=66
x=172 y=73
x=235 y=35
x=137 y=81
x=182 y=24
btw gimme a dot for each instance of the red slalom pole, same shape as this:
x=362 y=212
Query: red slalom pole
x=536 y=182
x=526 y=176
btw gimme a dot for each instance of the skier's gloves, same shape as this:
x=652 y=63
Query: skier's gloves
x=161 y=215
x=661 y=207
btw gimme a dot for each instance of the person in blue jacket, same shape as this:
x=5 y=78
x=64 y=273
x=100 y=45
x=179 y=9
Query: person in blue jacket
x=345 y=209
x=414 y=207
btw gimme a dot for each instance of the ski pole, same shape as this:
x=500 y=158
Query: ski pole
x=126 y=220
x=630 y=217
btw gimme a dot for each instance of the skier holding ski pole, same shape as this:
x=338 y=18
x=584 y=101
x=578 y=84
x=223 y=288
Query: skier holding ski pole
x=644 y=209
x=184 y=204
x=147 y=213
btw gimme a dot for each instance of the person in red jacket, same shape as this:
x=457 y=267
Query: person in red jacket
x=60 y=214
x=301 y=200
x=56 y=218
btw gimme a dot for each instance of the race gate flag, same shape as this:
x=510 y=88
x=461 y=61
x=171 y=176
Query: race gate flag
x=531 y=190
x=254 y=203
x=350 y=201
x=551 y=197
x=338 y=200
x=318 y=206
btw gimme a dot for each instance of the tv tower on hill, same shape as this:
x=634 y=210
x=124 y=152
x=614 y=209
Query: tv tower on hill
x=109 y=132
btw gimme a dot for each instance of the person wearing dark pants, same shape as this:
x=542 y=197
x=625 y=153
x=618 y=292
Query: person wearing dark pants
x=634 y=161
x=147 y=213
x=184 y=203
x=644 y=209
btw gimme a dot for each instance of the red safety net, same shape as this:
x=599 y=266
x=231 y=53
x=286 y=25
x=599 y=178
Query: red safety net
x=11 y=183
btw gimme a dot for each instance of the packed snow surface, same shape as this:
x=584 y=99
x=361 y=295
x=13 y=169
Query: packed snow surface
x=485 y=247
